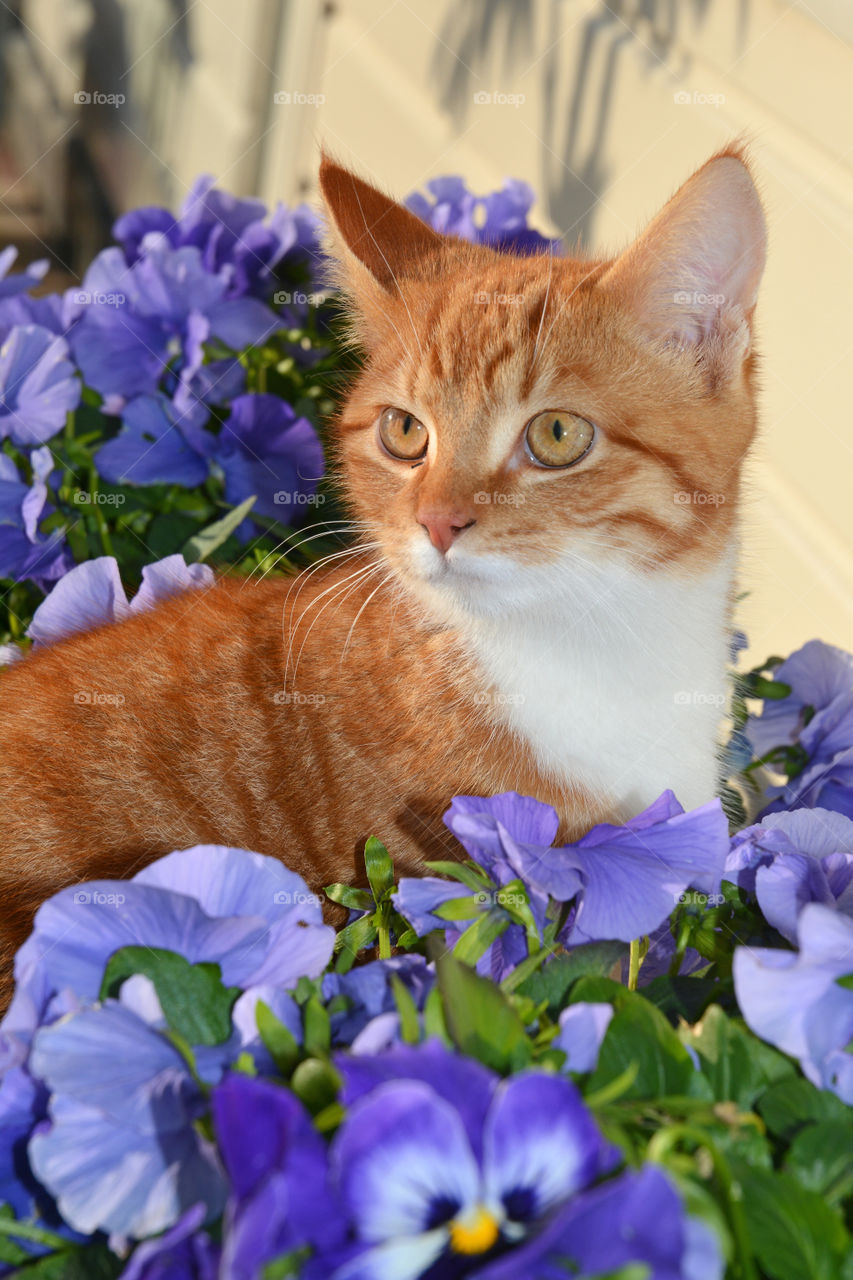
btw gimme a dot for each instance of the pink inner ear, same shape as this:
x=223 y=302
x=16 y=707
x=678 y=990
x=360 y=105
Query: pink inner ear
x=703 y=254
x=384 y=236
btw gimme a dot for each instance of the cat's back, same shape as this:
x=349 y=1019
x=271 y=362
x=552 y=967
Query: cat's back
x=137 y=702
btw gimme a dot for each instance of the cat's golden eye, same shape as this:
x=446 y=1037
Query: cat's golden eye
x=558 y=439
x=402 y=434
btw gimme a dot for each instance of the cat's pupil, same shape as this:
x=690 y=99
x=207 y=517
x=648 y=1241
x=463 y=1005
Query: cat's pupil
x=558 y=429
x=407 y=422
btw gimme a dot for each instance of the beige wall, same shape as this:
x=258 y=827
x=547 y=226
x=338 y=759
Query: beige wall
x=604 y=134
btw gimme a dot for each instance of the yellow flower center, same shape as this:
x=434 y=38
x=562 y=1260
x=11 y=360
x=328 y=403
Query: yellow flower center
x=475 y=1233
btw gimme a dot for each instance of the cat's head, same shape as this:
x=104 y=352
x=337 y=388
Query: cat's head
x=523 y=420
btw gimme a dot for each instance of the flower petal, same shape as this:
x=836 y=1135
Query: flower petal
x=401 y=1152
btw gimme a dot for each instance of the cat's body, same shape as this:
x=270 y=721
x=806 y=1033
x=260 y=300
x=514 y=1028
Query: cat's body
x=559 y=629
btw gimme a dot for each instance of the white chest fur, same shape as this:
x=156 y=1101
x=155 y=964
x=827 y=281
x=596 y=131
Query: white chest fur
x=618 y=682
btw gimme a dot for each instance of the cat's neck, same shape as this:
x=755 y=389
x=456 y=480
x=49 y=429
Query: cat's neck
x=621 y=685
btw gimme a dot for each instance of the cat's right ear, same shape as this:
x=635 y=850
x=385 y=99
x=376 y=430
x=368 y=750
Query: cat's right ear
x=375 y=241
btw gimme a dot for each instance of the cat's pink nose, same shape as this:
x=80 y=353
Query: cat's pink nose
x=443 y=526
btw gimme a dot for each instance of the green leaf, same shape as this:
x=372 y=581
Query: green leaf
x=730 y=1059
x=639 y=1034
x=480 y=1020
x=316 y=1028
x=821 y=1157
x=556 y=979
x=479 y=936
x=208 y=540
x=317 y=1083
x=94 y=1262
x=347 y=896
x=846 y=982
x=379 y=868
x=772 y=690
x=280 y=1041
x=410 y=1026
x=349 y=941
x=682 y=998
x=463 y=908
x=792 y=1103
x=287 y=1267
x=194 y=1001
x=795 y=1235
x=467 y=873
x=168 y=532
x=435 y=1026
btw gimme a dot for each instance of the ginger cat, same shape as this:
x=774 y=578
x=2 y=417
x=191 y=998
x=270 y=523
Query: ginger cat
x=542 y=457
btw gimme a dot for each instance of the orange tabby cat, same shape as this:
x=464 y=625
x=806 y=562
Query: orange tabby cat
x=542 y=457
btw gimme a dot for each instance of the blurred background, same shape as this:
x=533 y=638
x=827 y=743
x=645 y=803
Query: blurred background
x=604 y=108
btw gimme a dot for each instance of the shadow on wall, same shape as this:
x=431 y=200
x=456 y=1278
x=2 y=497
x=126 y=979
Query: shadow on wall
x=497 y=36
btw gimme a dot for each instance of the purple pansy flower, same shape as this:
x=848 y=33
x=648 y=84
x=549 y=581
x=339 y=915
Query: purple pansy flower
x=499 y=219
x=369 y=995
x=120 y=1151
x=793 y=999
x=491 y=829
x=263 y=449
x=24 y=552
x=277 y=1166
x=161 y=309
x=445 y=1171
x=243 y=911
x=625 y=880
x=266 y=450
x=182 y=1253
x=632 y=876
x=91 y=595
x=817 y=673
x=827 y=781
x=228 y=231
x=793 y=858
x=38 y=385
x=158 y=444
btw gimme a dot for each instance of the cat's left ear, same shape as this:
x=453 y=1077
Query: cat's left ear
x=375 y=239
x=692 y=277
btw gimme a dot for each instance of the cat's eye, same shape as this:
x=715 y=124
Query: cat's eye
x=402 y=434
x=558 y=439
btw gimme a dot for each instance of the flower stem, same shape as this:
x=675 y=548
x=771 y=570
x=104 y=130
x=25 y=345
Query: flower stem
x=658 y=1148
x=634 y=965
x=28 y=1231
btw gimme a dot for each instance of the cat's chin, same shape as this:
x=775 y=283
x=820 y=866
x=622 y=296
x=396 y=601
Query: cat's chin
x=464 y=584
